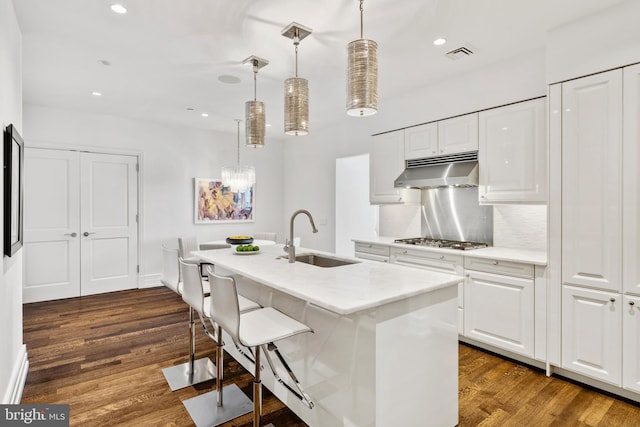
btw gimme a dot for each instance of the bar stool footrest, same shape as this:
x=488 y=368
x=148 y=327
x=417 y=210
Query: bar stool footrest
x=204 y=411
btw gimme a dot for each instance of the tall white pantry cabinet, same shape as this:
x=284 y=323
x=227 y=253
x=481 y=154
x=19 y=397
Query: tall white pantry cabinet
x=595 y=207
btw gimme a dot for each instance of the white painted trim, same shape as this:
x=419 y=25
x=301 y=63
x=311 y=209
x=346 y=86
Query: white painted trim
x=107 y=150
x=151 y=280
x=18 y=378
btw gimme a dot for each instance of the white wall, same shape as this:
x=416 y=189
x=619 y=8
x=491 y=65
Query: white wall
x=172 y=157
x=310 y=174
x=12 y=350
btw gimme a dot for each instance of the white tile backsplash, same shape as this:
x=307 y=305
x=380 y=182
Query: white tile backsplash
x=520 y=226
x=399 y=221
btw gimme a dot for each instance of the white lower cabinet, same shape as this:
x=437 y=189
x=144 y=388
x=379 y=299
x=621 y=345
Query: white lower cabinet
x=631 y=344
x=372 y=251
x=498 y=310
x=591 y=333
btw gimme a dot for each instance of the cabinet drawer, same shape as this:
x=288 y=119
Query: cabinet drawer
x=495 y=266
x=372 y=248
x=434 y=261
x=372 y=257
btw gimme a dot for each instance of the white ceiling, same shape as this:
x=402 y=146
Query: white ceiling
x=167 y=55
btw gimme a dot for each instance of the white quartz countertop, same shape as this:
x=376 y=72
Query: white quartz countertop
x=530 y=256
x=344 y=290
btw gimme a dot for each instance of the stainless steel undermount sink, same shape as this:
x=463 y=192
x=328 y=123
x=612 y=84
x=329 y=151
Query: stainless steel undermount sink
x=324 y=261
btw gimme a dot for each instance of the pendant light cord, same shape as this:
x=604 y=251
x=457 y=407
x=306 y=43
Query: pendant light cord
x=296 y=42
x=255 y=78
x=361 y=19
x=238 y=146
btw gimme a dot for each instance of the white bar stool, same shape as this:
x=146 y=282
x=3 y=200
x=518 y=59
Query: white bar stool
x=194 y=371
x=188 y=244
x=256 y=329
x=208 y=409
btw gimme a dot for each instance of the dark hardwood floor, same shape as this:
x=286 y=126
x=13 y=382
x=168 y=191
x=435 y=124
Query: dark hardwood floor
x=104 y=354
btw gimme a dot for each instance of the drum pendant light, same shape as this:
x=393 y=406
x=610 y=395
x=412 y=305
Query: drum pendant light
x=255 y=119
x=362 y=75
x=238 y=178
x=296 y=89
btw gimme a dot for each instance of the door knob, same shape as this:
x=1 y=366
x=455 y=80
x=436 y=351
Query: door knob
x=631 y=303
x=74 y=234
x=86 y=233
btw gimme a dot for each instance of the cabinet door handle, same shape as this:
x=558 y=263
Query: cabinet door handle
x=404 y=252
x=495 y=262
x=441 y=256
x=632 y=303
x=86 y=233
x=612 y=299
x=74 y=234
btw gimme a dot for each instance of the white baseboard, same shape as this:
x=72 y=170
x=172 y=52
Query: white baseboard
x=18 y=378
x=151 y=281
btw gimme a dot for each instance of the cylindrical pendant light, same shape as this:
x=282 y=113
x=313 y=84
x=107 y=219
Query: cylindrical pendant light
x=296 y=89
x=255 y=115
x=362 y=75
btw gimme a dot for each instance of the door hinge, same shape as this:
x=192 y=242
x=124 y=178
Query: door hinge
x=137 y=167
x=136 y=218
x=138 y=268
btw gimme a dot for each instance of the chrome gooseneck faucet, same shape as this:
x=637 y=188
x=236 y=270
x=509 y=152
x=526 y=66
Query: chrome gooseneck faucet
x=289 y=246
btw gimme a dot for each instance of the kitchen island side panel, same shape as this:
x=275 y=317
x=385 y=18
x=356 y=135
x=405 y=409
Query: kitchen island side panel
x=417 y=360
x=392 y=365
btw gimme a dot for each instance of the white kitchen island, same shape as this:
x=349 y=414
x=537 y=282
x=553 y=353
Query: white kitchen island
x=384 y=351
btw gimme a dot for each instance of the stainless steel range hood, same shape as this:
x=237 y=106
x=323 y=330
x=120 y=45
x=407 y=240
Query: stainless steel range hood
x=452 y=170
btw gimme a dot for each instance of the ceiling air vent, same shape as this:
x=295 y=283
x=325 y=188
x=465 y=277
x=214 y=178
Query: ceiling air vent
x=461 y=52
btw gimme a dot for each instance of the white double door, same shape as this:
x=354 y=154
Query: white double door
x=81 y=231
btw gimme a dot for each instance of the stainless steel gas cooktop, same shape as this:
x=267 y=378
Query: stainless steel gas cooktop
x=441 y=243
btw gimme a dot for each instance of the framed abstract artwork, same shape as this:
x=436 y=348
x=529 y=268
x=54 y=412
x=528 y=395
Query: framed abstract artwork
x=215 y=203
x=13 y=183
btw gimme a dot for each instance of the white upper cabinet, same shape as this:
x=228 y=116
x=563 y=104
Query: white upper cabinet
x=591 y=180
x=421 y=141
x=386 y=163
x=631 y=181
x=512 y=155
x=455 y=135
x=458 y=134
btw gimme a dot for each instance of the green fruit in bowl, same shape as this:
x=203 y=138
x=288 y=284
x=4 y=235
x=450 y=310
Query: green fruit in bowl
x=256 y=248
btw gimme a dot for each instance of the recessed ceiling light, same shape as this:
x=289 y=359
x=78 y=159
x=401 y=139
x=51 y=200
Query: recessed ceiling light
x=205 y=114
x=268 y=125
x=118 y=8
x=439 y=41
x=229 y=79
x=94 y=93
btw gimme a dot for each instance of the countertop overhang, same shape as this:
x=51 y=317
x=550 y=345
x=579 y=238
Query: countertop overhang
x=343 y=290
